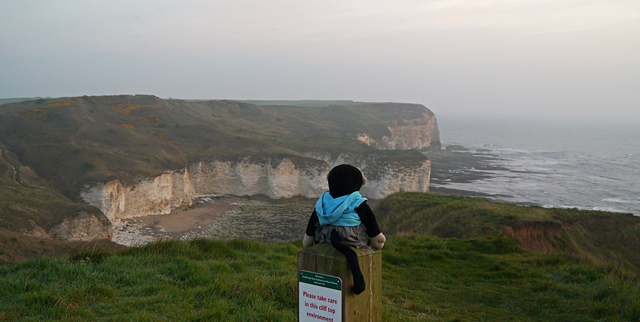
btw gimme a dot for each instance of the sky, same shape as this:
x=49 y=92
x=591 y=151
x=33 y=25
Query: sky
x=551 y=59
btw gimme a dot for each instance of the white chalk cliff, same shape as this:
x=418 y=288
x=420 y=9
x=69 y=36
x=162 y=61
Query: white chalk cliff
x=272 y=177
x=413 y=134
x=154 y=196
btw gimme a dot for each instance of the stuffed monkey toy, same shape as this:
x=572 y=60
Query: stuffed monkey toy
x=343 y=218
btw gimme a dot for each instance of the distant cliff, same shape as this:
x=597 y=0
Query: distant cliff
x=420 y=133
x=139 y=155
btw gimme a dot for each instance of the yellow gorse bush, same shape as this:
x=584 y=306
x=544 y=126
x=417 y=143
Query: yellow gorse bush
x=127 y=108
x=63 y=103
x=162 y=136
x=41 y=112
x=126 y=124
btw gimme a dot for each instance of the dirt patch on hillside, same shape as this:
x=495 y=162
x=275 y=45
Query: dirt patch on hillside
x=537 y=236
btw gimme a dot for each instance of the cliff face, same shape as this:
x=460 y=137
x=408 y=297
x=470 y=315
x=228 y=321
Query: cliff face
x=155 y=196
x=383 y=177
x=419 y=133
x=275 y=178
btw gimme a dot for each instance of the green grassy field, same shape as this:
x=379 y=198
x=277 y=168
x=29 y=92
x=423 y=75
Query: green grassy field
x=424 y=279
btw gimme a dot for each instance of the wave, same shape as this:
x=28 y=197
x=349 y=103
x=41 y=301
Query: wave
x=596 y=208
x=622 y=201
x=608 y=209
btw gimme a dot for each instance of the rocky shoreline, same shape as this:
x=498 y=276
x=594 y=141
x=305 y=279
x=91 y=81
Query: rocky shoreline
x=460 y=166
x=265 y=220
x=256 y=218
x=457 y=164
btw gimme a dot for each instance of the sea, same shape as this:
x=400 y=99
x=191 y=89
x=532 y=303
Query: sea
x=584 y=165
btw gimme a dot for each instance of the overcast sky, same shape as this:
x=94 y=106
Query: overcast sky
x=530 y=58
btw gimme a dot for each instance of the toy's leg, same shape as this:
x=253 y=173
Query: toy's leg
x=352 y=261
x=376 y=237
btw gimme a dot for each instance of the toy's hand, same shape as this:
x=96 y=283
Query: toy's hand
x=377 y=242
x=307 y=241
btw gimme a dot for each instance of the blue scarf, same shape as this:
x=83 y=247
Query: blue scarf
x=339 y=211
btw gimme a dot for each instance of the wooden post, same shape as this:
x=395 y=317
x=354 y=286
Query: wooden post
x=324 y=259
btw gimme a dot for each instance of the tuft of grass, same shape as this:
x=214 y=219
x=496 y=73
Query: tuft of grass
x=95 y=256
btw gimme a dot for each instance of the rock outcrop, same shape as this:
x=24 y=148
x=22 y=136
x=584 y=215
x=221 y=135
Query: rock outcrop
x=84 y=226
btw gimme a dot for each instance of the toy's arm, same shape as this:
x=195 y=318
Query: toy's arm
x=376 y=237
x=310 y=234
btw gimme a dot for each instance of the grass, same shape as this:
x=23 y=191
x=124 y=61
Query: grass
x=200 y=280
x=600 y=237
x=424 y=279
x=494 y=279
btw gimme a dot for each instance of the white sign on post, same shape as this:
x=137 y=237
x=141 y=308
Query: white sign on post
x=319 y=297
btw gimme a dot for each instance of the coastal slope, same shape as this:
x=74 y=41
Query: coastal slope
x=600 y=237
x=108 y=158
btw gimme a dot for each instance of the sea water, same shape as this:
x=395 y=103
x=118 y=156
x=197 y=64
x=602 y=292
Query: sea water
x=585 y=165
